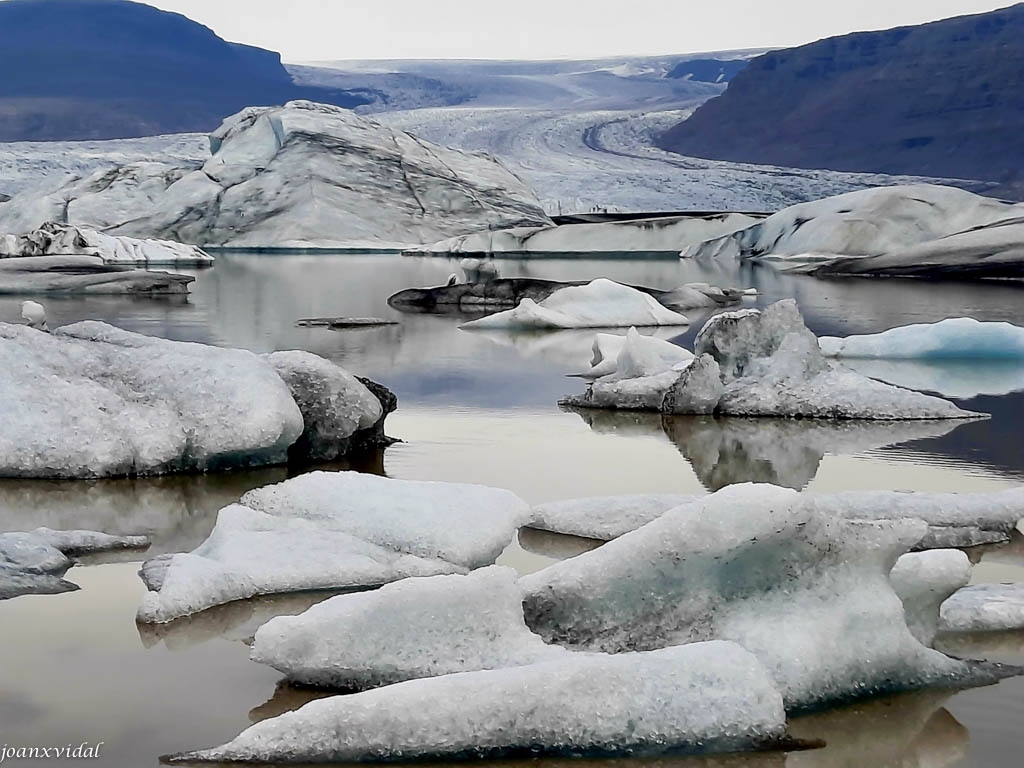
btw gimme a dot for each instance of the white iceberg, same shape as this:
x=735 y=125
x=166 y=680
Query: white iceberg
x=302 y=175
x=763 y=363
x=341 y=530
x=668 y=234
x=91 y=400
x=404 y=631
x=604 y=517
x=35 y=562
x=84 y=274
x=599 y=304
x=924 y=581
x=335 y=405
x=807 y=593
x=618 y=356
x=919 y=229
x=984 y=608
x=959 y=338
x=707 y=697
x=53 y=239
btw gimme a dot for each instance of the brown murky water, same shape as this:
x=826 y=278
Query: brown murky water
x=482 y=408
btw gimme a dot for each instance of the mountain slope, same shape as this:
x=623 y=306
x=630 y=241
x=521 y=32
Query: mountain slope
x=941 y=99
x=97 y=69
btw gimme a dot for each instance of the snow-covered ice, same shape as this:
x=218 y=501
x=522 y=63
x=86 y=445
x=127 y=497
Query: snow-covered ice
x=902 y=230
x=601 y=303
x=610 y=349
x=669 y=234
x=85 y=274
x=35 y=562
x=333 y=531
x=91 y=400
x=301 y=175
x=404 y=631
x=604 y=517
x=707 y=697
x=763 y=363
x=335 y=405
x=957 y=338
x=808 y=593
x=924 y=580
x=984 y=608
x=65 y=240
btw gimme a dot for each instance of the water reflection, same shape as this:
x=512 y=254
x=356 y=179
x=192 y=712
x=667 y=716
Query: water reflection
x=785 y=452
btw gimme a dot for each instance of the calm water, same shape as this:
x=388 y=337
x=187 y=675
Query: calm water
x=478 y=407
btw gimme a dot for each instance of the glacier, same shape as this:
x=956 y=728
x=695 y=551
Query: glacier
x=958 y=338
x=763 y=363
x=35 y=562
x=707 y=697
x=408 y=630
x=303 y=175
x=918 y=230
x=753 y=565
x=601 y=303
x=333 y=530
x=665 y=234
x=52 y=239
x=984 y=608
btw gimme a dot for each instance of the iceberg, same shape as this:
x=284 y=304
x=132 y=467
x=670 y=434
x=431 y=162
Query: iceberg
x=667 y=234
x=960 y=338
x=984 y=608
x=35 y=563
x=919 y=230
x=53 y=239
x=763 y=363
x=327 y=530
x=599 y=304
x=806 y=592
x=335 y=405
x=302 y=175
x=618 y=356
x=924 y=580
x=84 y=275
x=405 y=631
x=604 y=517
x=706 y=697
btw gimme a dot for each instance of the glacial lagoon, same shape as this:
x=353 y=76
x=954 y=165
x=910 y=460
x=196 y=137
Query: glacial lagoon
x=481 y=407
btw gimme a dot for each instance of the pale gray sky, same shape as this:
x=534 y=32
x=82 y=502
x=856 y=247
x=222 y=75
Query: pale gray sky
x=318 y=30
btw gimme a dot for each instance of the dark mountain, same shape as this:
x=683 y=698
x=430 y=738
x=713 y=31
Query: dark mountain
x=99 y=69
x=943 y=99
x=708 y=70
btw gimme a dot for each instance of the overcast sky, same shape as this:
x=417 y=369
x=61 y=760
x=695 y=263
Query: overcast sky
x=320 y=30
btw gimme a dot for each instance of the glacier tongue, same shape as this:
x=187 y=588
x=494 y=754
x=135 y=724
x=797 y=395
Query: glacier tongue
x=753 y=565
x=707 y=697
x=301 y=175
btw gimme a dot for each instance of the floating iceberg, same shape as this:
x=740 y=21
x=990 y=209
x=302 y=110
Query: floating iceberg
x=606 y=517
x=924 y=580
x=84 y=274
x=622 y=356
x=301 y=175
x=984 y=608
x=35 y=563
x=706 y=697
x=806 y=592
x=921 y=230
x=333 y=531
x=335 y=405
x=958 y=338
x=408 y=630
x=599 y=304
x=52 y=239
x=763 y=363
x=668 y=234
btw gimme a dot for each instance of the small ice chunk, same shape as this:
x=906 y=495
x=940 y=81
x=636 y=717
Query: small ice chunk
x=404 y=631
x=707 y=697
x=599 y=304
x=984 y=608
x=924 y=580
x=952 y=339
